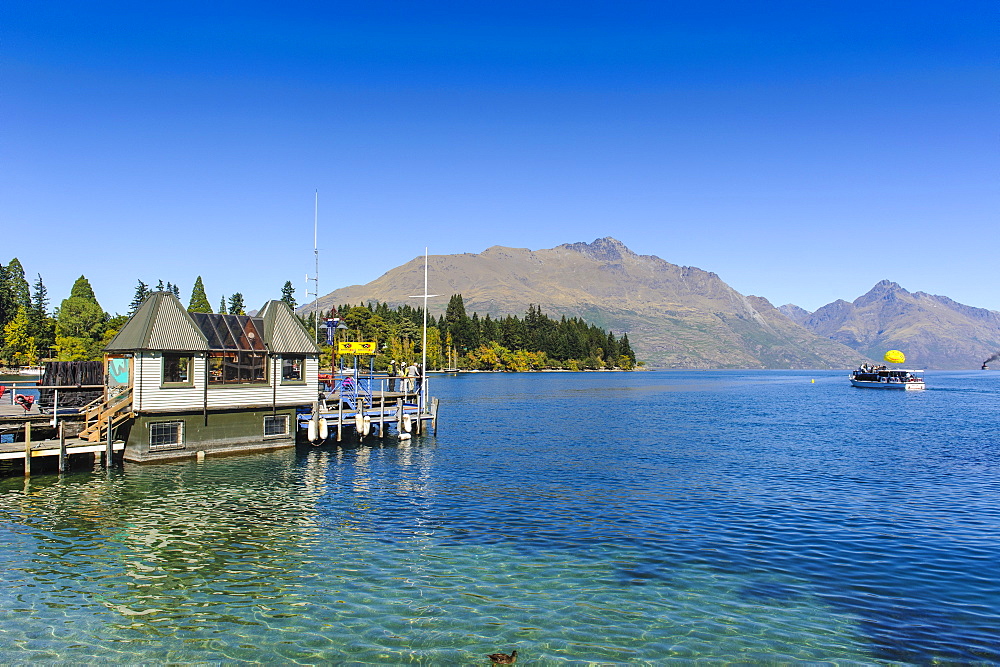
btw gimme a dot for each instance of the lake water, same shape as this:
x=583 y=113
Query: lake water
x=578 y=517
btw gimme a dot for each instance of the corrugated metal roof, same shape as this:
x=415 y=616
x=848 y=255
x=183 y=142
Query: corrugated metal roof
x=161 y=323
x=283 y=331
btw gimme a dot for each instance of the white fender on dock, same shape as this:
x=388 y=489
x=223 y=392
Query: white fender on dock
x=405 y=436
x=407 y=423
x=313 y=429
x=359 y=424
x=324 y=429
x=367 y=425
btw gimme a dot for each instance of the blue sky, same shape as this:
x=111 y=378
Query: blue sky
x=803 y=151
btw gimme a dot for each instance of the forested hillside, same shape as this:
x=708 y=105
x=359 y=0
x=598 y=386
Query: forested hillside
x=457 y=340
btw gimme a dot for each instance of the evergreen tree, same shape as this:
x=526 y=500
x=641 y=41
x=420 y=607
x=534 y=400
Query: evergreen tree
x=159 y=285
x=81 y=323
x=199 y=300
x=222 y=305
x=456 y=310
x=288 y=294
x=6 y=311
x=141 y=292
x=177 y=291
x=82 y=289
x=42 y=327
x=236 y=304
x=17 y=286
x=626 y=348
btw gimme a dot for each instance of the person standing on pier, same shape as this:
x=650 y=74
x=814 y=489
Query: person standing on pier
x=411 y=377
x=393 y=372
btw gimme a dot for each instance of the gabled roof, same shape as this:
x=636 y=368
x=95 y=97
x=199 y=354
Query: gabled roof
x=283 y=331
x=161 y=323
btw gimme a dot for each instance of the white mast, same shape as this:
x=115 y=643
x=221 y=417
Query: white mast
x=315 y=277
x=423 y=364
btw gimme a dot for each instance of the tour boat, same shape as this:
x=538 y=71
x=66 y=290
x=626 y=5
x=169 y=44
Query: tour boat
x=880 y=377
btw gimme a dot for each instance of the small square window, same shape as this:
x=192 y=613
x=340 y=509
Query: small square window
x=275 y=425
x=166 y=435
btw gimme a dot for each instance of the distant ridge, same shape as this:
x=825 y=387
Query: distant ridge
x=933 y=331
x=675 y=316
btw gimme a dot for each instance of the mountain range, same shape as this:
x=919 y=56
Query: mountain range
x=685 y=317
x=933 y=331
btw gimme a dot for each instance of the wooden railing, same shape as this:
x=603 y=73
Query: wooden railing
x=100 y=413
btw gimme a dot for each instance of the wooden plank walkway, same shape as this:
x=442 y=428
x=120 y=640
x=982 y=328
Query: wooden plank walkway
x=16 y=450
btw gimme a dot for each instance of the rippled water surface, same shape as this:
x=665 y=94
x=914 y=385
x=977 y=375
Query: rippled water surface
x=644 y=517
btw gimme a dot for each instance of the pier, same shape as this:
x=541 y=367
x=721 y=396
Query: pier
x=29 y=436
x=368 y=404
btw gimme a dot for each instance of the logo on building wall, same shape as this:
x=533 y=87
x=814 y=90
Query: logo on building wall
x=118 y=370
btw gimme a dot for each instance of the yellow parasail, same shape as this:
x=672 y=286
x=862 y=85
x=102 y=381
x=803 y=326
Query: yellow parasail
x=895 y=357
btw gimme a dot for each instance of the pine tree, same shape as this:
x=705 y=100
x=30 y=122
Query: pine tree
x=17 y=286
x=159 y=285
x=288 y=294
x=81 y=323
x=43 y=327
x=236 y=304
x=177 y=291
x=141 y=292
x=199 y=300
x=222 y=305
x=82 y=289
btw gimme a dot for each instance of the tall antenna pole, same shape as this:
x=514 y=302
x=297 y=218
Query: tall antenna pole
x=316 y=256
x=315 y=278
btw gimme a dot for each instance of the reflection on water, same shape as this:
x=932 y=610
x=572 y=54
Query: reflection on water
x=576 y=517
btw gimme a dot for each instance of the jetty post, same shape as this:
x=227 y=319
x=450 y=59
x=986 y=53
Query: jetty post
x=381 y=414
x=62 y=448
x=108 y=451
x=27 y=449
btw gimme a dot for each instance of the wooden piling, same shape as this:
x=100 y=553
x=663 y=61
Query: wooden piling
x=340 y=414
x=108 y=447
x=381 y=415
x=434 y=415
x=62 y=449
x=27 y=449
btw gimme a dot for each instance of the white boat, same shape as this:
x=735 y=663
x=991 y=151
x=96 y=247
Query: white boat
x=880 y=377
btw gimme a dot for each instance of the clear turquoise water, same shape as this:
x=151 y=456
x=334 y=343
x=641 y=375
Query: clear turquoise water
x=639 y=518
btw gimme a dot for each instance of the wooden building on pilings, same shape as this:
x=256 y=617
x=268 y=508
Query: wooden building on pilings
x=179 y=383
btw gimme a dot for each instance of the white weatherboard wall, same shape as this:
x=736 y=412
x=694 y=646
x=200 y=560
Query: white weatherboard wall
x=149 y=395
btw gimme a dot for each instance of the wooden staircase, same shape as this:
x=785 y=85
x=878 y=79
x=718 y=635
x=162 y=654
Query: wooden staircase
x=97 y=415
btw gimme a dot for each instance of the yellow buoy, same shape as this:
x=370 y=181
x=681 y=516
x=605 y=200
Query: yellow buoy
x=895 y=357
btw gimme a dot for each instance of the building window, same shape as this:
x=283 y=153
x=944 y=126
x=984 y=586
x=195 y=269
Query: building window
x=292 y=369
x=236 y=368
x=166 y=435
x=275 y=425
x=177 y=369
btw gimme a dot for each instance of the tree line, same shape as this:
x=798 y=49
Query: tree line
x=458 y=340
x=79 y=328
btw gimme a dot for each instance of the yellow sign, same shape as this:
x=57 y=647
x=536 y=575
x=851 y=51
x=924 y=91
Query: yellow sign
x=355 y=348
